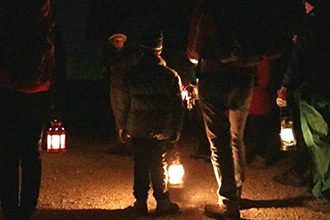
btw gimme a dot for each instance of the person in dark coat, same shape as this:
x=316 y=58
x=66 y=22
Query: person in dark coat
x=228 y=39
x=24 y=106
x=307 y=75
x=149 y=115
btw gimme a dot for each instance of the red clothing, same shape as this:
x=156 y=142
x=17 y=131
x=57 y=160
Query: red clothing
x=260 y=104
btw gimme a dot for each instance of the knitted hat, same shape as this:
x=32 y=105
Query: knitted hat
x=152 y=39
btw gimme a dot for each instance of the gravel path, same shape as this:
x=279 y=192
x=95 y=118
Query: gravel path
x=85 y=183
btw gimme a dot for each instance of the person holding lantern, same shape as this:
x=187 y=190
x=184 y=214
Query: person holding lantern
x=150 y=115
x=26 y=82
x=230 y=38
x=307 y=76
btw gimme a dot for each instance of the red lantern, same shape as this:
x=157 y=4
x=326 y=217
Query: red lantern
x=56 y=137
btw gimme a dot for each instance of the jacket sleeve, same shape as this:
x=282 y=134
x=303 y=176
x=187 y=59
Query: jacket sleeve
x=201 y=31
x=287 y=77
x=300 y=44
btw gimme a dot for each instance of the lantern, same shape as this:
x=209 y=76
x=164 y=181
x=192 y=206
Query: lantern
x=175 y=173
x=56 y=137
x=190 y=95
x=287 y=134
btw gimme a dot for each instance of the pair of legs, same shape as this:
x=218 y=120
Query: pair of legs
x=225 y=97
x=22 y=118
x=20 y=200
x=149 y=163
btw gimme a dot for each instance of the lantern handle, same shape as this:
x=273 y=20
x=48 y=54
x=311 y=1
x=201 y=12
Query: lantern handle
x=282 y=109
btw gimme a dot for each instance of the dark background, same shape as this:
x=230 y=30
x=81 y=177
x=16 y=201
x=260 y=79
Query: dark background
x=108 y=16
x=85 y=26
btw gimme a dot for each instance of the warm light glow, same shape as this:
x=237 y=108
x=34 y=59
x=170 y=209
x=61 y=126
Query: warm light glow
x=175 y=174
x=184 y=94
x=288 y=139
x=193 y=61
x=190 y=95
x=62 y=141
x=287 y=136
x=56 y=137
x=53 y=142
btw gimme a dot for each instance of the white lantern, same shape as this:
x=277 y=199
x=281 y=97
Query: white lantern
x=56 y=137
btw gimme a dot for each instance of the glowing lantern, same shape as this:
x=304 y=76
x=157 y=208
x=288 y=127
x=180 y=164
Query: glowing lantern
x=190 y=95
x=287 y=134
x=56 y=137
x=175 y=173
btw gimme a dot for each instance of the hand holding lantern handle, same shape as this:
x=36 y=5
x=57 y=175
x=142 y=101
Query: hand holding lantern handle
x=282 y=94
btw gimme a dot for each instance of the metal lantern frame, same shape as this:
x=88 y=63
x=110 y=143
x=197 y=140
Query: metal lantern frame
x=287 y=132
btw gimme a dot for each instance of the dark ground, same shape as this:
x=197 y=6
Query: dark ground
x=85 y=183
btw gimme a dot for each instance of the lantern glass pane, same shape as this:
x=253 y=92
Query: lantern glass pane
x=62 y=141
x=287 y=135
x=175 y=173
x=55 y=142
